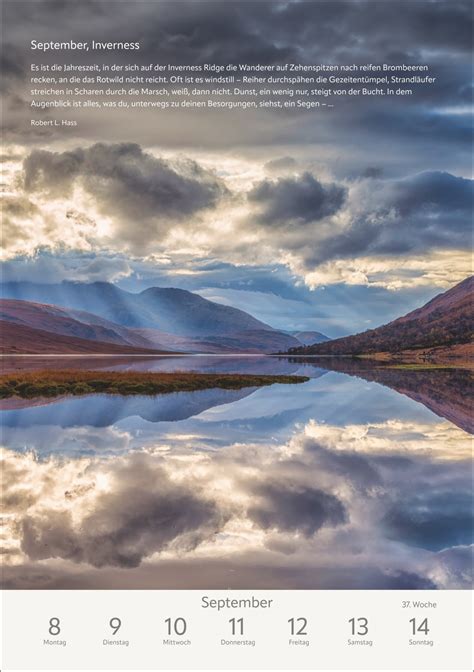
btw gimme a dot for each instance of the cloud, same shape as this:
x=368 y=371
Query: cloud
x=454 y=567
x=295 y=200
x=112 y=198
x=433 y=192
x=281 y=165
x=372 y=172
x=408 y=581
x=102 y=269
x=140 y=513
x=18 y=208
x=434 y=269
x=414 y=214
x=45 y=267
x=287 y=507
x=20 y=222
x=13 y=68
x=390 y=232
x=127 y=182
x=432 y=520
x=364 y=473
x=369 y=231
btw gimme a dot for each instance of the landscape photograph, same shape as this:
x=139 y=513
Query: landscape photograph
x=236 y=345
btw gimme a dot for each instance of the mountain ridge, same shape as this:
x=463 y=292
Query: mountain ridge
x=51 y=318
x=145 y=320
x=447 y=320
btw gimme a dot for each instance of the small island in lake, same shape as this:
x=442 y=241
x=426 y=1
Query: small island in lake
x=45 y=383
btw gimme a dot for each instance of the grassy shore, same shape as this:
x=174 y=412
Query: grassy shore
x=55 y=383
x=459 y=356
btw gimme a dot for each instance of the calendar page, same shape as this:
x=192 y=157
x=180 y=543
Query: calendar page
x=236 y=319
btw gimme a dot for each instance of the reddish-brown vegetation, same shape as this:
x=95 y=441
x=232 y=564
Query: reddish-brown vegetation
x=447 y=320
x=54 y=383
x=18 y=339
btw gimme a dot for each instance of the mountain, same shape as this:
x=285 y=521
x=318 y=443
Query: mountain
x=77 y=324
x=445 y=321
x=169 y=310
x=252 y=342
x=19 y=339
x=309 y=337
x=84 y=325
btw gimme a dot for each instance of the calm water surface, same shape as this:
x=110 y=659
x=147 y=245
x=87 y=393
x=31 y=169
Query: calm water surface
x=340 y=482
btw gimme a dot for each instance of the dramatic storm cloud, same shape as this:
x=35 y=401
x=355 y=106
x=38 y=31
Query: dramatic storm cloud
x=126 y=179
x=416 y=214
x=297 y=200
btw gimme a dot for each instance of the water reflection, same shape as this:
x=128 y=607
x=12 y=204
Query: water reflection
x=103 y=410
x=448 y=392
x=336 y=483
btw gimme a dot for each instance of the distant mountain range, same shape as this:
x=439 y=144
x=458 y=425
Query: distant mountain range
x=309 y=337
x=157 y=319
x=447 y=321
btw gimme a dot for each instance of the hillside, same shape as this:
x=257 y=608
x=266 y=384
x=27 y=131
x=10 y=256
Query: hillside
x=445 y=321
x=84 y=325
x=60 y=321
x=169 y=310
x=252 y=342
x=18 y=339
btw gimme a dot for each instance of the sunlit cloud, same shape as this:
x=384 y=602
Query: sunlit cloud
x=439 y=268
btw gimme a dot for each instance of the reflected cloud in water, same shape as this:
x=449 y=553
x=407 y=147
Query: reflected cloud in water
x=336 y=483
x=325 y=518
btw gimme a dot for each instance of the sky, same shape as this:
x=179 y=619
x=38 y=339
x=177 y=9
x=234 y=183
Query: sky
x=336 y=220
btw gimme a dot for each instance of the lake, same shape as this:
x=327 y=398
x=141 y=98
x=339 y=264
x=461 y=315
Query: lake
x=359 y=478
